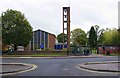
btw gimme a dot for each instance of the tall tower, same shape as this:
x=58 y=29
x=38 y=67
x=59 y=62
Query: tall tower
x=66 y=26
x=119 y=15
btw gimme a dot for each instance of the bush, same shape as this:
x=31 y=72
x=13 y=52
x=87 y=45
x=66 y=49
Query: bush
x=39 y=49
x=48 y=49
x=64 y=50
x=94 y=51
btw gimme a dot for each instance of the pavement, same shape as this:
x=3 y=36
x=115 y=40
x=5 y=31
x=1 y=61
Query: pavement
x=108 y=66
x=14 y=67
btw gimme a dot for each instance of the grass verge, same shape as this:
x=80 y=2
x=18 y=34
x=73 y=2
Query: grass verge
x=36 y=55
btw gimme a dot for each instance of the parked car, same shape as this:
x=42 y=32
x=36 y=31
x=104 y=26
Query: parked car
x=20 y=48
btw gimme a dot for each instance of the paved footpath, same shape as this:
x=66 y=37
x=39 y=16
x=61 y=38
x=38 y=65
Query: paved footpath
x=14 y=67
x=109 y=66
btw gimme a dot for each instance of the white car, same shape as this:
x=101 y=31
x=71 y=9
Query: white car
x=20 y=48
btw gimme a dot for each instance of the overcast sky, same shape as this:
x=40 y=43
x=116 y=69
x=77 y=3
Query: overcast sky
x=47 y=14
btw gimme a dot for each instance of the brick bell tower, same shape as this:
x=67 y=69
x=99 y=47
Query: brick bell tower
x=66 y=27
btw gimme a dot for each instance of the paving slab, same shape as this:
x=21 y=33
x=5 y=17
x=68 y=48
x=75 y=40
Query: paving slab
x=102 y=66
x=14 y=67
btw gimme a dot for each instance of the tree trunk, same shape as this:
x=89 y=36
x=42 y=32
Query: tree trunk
x=15 y=47
x=97 y=49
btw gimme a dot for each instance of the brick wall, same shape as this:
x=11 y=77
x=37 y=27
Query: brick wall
x=52 y=39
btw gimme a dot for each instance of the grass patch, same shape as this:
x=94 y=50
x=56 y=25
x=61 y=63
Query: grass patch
x=36 y=55
x=94 y=51
x=113 y=54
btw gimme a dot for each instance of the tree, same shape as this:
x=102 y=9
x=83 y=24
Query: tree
x=0 y=35
x=98 y=31
x=92 y=38
x=111 y=37
x=60 y=37
x=119 y=35
x=0 y=29
x=78 y=37
x=15 y=28
x=101 y=39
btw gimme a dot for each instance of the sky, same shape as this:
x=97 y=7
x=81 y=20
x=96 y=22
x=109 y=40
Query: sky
x=47 y=14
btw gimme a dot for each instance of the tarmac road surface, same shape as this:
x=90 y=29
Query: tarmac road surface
x=59 y=66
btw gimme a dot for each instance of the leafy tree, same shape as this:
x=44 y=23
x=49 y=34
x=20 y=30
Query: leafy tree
x=111 y=37
x=78 y=37
x=92 y=38
x=98 y=31
x=15 y=28
x=0 y=29
x=101 y=39
x=118 y=36
x=60 y=37
x=0 y=35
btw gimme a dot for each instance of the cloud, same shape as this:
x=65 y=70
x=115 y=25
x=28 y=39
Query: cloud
x=47 y=14
x=86 y=13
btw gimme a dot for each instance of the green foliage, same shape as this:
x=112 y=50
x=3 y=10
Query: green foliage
x=48 y=49
x=94 y=51
x=64 y=49
x=60 y=38
x=0 y=28
x=101 y=39
x=119 y=36
x=92 y=38
x=78 y=37
x=111 y=37
x=15 y=28
x=99 y=33
x=38 y=50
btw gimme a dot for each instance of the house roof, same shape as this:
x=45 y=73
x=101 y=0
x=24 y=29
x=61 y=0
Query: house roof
x=44 y=31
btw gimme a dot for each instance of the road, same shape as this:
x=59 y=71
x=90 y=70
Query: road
x=59 y=66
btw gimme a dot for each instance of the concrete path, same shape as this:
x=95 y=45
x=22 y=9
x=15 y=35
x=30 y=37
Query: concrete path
x=110 y=66
x=14 y=67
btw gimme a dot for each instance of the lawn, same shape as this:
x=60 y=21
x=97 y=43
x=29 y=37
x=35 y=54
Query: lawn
x=36 y=55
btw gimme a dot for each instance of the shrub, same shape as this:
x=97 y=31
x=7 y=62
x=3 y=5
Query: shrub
x=48 y=49
x=38 y=49
x=64 y=50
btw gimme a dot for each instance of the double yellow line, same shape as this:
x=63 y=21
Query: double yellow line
x=33 y=67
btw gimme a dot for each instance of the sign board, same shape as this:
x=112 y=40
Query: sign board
x=41 y=46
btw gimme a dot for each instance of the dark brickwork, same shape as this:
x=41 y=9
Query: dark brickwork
x=52 y=39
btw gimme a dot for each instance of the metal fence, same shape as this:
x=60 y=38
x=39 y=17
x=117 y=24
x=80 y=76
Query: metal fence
x=79 y=50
